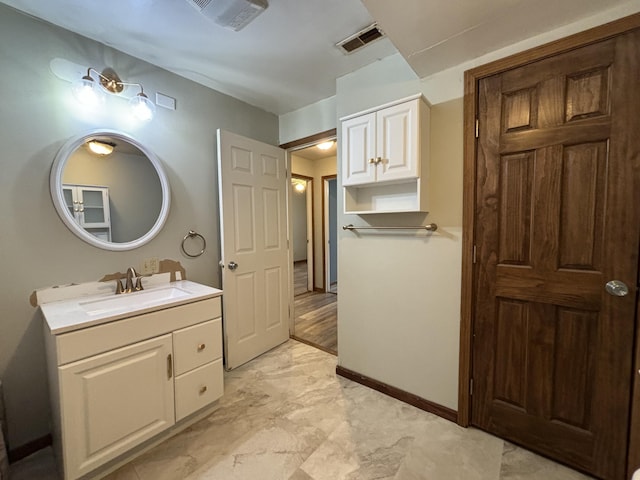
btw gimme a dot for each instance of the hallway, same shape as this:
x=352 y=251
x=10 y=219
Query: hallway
x=316 y=313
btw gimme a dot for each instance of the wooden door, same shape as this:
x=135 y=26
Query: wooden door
x=556 y=217
x=253 y=223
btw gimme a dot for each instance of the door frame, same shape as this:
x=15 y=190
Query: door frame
x=326 y=258
x=292 y=147
x=310 y=227
x=471 y=95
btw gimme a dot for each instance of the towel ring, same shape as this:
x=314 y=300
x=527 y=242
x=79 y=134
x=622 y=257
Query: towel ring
x=192 y=234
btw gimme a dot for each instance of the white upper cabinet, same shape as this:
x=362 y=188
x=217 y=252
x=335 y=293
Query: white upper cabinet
x=398 y=142
x=385 y=155
x=359 y=146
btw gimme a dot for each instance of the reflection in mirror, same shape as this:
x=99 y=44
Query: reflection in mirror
x=116 y=199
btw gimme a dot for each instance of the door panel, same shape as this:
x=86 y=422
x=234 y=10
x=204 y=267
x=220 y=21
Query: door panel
x=253 y=184
x=558 y=164
x=358 y=145
x=397 y=129
x=126 y=396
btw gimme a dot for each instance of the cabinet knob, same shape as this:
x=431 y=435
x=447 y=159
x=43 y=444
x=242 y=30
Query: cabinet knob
x=203 y=389
x=201 y=347
x=378 y=160
x=372 y=161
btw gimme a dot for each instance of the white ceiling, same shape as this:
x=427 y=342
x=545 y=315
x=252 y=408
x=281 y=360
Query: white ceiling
x=286 y=58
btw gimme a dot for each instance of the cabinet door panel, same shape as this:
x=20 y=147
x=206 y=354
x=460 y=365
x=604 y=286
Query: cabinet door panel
x=358 y=148
x=397 y=142
x=114 y=401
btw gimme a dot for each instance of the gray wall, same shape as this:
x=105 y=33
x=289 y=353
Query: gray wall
x=38 y=115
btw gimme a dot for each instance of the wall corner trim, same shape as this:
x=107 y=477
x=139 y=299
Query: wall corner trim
x=398 y=394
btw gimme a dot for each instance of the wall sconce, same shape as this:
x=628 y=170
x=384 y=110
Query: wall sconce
x=89 y=92
x=101 y=148
x=299 y=185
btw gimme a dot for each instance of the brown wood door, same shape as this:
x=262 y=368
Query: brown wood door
x=557 y=216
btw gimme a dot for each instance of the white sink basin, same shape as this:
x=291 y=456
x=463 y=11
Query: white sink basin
x=132 y=301
x=75 y=313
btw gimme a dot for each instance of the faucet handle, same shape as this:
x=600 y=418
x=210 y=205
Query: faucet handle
x=138 y=286
x=119 y=288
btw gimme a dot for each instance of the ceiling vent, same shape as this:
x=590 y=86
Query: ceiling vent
x=232 y=14
x=360 y=39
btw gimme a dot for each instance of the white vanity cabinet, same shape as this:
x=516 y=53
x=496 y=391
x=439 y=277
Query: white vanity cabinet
x=125 y=383
x=385 y=157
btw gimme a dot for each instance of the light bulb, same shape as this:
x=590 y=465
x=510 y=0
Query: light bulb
x=87 y=92
x=101 y=148
x=325 y=145
x=142 y=108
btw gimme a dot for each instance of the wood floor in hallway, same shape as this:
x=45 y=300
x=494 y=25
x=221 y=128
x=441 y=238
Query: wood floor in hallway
x=316 y=319
x=316 y=313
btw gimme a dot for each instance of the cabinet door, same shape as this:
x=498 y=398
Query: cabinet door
x=398 y=142
x=94 y=203
x=114 y=401
x=358 y=148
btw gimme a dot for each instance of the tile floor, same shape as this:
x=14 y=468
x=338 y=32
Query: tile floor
x=286 y=415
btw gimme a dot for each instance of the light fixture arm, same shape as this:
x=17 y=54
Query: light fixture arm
x=111 y=82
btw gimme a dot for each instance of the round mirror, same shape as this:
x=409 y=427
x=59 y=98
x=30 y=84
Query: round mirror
x=110 y=190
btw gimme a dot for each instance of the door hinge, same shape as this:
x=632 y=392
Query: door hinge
x=474 y=254
x=477 y=128
x=471 y=387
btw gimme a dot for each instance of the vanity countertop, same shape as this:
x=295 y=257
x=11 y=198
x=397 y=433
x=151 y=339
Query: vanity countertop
x=77 y=313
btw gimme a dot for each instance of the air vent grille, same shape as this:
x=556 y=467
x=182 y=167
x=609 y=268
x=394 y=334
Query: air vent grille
x=231 y=14
x=360 y=39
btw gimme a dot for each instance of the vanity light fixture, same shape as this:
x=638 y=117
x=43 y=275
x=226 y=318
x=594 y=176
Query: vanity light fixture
x=325 y=145
x=100 y=147
x=89 y=92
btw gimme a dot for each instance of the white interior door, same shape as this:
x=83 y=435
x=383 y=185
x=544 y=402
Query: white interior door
x=253 y=224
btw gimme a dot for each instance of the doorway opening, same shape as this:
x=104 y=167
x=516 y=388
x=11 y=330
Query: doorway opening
x=330 y=232
x=302 y=241
x=313 y=224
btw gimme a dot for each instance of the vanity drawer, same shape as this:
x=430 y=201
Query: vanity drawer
x=198 y=388
x=102 y=338
x=194 y=346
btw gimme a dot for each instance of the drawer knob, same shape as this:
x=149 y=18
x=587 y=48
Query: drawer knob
x=201 y=347
x=203 y=389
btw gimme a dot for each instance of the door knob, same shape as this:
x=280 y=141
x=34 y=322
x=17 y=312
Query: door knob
x=616 y=288
x=233 y=265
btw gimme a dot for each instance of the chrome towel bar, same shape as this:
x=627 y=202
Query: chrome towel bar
x=432 y=227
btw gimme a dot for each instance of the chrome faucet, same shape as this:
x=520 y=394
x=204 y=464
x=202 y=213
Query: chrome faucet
x=129 y=285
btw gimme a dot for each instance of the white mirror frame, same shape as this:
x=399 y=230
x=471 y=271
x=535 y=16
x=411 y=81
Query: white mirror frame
x=55 y=185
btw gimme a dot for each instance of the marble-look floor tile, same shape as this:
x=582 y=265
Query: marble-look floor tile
x=287 y=416
x=128 y=472
x=445 y=450
x=521 y=464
